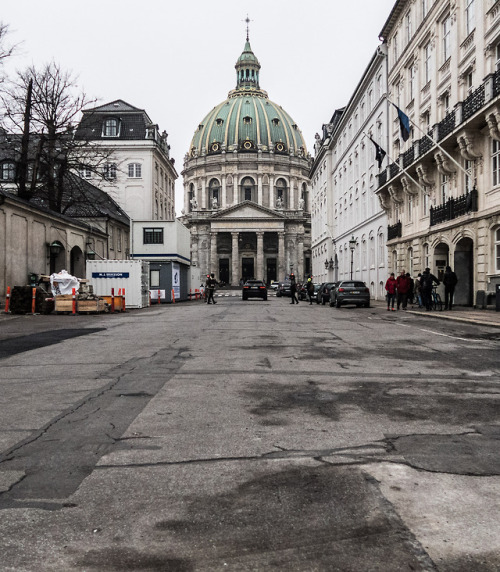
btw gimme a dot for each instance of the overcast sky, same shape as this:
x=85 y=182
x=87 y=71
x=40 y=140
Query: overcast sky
x=175 y=59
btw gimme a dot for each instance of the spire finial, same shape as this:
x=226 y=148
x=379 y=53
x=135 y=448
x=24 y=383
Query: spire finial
x=247 y=20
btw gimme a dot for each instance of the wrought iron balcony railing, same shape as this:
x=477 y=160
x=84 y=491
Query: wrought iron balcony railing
x=454 y=208
x=394 y=230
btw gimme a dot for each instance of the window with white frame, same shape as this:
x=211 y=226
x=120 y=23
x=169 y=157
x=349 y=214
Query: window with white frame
x=470 y=19
x=425 y=8
x=495 y=162
x=446 y=27
x=8 y=171
x=425 y=203
x=85 y=171
x=152 y=236
x=497 y=58
x=469 y=175
x=109 y=171
x=445 y=191
x=410 y=208
x=426 y=256
x=408 y=27
x=111 y=127
x=395 y=52
x=411 y=83
x=427 y=62
x=497 y=250
x=135 y=170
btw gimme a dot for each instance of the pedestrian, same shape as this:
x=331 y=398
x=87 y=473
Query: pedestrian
x=411 y=293
x=202 y=291
x=310 y=289
x=427 y=282
x=418 y=290
x=402 y=287
x=210 y=287
x=450 y=281
x=293 y=289
x=390 y=287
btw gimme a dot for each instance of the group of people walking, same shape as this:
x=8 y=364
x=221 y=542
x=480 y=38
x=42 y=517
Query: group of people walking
x=404 y=289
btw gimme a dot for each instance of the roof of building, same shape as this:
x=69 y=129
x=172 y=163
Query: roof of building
x=247 y=120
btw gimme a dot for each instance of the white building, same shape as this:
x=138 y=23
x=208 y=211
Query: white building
x=140 y=175
x=442 y=191
x=349 y=226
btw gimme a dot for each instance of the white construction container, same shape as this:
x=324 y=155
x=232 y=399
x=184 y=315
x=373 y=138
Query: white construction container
x=133 y=275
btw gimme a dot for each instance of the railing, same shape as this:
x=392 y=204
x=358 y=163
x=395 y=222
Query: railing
x=496 y=83
x=382 y=178
x=425 y=144
x=473 y=103
x=446 y=126
x=454 y=208
x=394 y=230
x=408 y=157
x=393 y=169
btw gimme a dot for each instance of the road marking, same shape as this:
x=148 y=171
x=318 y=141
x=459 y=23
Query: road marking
x=436 y=333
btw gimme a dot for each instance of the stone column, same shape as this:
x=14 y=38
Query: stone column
x=194 y=250
x=259 y=190
x=213 y=254
x=281 y=255
x=300 y=256
x=259 y=274
x=235 y=256
x=203 y=199
x=223 y=201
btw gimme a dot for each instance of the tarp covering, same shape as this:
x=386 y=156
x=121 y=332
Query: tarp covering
x=63 y=283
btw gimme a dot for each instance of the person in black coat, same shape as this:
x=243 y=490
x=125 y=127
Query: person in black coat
x=427 y=281
x=450 y=281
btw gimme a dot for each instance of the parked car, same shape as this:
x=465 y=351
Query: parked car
x=324 y=292
x=254 y=289
x=350 y=292
x=283 y=289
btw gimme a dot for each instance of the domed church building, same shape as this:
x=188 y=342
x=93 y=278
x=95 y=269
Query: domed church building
x=246 y=187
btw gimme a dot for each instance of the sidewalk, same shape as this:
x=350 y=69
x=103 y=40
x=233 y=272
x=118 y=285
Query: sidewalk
x=459 y=314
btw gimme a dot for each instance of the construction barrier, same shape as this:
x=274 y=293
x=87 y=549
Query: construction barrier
x=123 y=299
x=7 y=300
x=112 y=300
x=173 y=296
x=33 y=300
x=73 y=294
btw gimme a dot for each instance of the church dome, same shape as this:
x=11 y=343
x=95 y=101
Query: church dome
x=247 y=121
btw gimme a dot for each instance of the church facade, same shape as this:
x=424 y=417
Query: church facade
x=246 y=187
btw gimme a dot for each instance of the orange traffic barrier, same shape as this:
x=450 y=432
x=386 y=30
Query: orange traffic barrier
x=159 y=297
x=173 y=296
x=33 y=300
x=73 y=293
x=112 y=300
x=123 y=294
x=7 y=300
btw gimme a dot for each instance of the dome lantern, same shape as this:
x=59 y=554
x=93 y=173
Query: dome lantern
x=247 y=69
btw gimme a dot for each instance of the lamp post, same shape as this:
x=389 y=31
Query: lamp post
x=326 y=264
x=352 y=246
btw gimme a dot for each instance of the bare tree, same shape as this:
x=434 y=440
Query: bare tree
x=41 y=108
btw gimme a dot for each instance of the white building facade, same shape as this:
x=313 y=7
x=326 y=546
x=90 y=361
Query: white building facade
x=442 y=188
x=139 y=174
x=349 y=226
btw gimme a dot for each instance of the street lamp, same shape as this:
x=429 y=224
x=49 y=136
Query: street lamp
x=330 y=264
x=326 y=263
x=352 y=246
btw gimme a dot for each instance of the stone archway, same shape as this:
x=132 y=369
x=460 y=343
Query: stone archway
x=77 y=262
x=464 y=269
x=440 y=260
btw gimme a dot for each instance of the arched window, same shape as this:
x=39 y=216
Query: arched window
x=248 y=192
x=281 y=193
x=214 y=190
x=190 y=197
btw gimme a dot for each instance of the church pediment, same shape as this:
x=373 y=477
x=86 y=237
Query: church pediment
x=248 y=210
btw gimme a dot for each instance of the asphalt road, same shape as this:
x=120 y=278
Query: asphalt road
x=249 y=436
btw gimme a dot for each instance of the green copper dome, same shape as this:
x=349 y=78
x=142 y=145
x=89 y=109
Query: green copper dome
x=247 y=121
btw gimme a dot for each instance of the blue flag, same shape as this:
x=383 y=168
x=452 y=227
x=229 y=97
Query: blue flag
x=404 y=124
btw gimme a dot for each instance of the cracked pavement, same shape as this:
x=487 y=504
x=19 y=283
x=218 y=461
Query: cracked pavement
x=246 y=437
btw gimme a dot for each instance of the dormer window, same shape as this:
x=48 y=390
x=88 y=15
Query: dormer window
x=247 y=120
x=276 y=121
x=219 y=121
x=111 y=127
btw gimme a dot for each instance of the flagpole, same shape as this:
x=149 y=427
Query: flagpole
x=402 y=168
x=432 y=140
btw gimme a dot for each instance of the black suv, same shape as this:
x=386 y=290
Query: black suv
x=254 y=289
x=324 y=292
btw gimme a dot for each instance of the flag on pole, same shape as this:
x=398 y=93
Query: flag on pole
x=379 y=153
x=404 y=124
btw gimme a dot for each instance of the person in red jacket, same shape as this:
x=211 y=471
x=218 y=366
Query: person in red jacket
x=390 y=287
x=403 y=287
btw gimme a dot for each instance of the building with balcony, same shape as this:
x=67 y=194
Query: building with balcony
x=349 y=227
x=441 y=191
